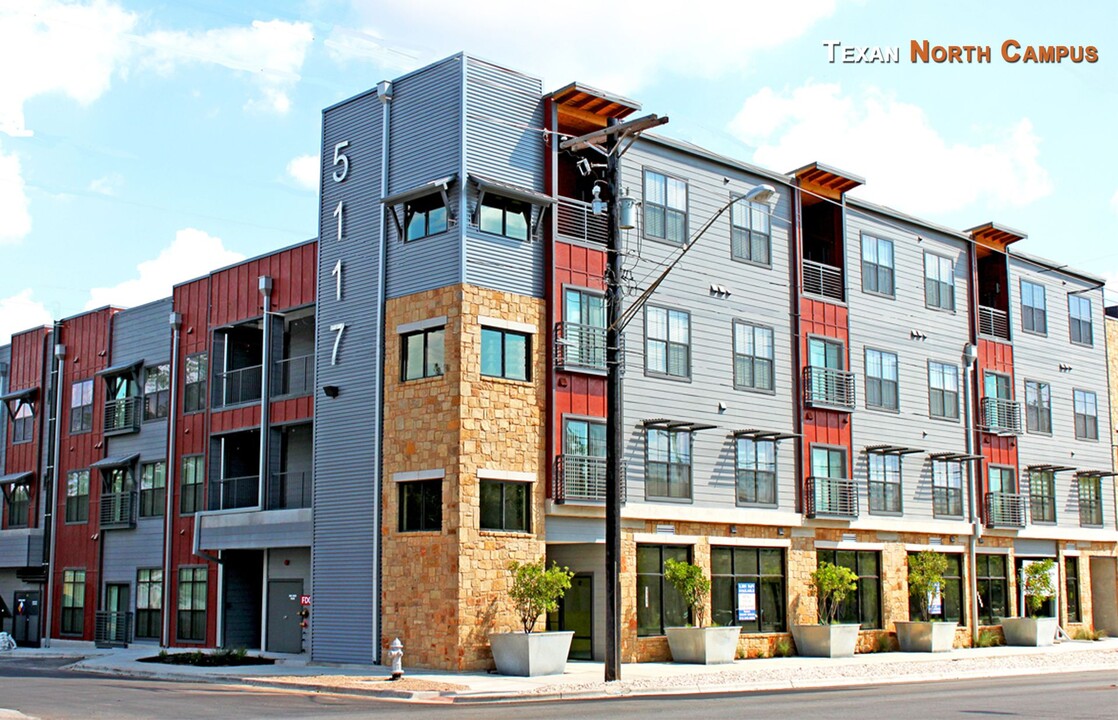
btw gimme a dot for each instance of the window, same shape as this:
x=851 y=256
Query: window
x=505 y=216
x=584 y=315
x=1086 y=415
x=884 y=483
x=659 y=605
x=423 y=354
x=992 y=589
x=947 y=488
x=939 y=282
x=950 y=595
x=81 y=406
x=1079 y=318
x=756 y=471
x=667 y=468
x=667 y=343
x=863 y=606
x=193 y=473
x=762 y=572
x=825 y=353
x=506 y=506
x=194 y=393
x=1090 y=500
x=153 y=489
x=665 y=207
x=750 y=235
x=157 y=392
x=881 y=380
x=877 y=265
x=421 y=505
x=504 y=354
x=1034 y=313
x=425 y=216
x=753 y=356
x=149 y=602
x=1002 y=480
x=1071 y=589
x=77 y=496
x=191 y=620
x=23 y=424
x=73 y=602
x=19 y=504
x=1042 y=496
x=584 y=459
x=943 y=390
x=1038 y=407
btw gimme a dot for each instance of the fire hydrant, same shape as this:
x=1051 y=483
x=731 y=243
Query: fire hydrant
x=396 y=657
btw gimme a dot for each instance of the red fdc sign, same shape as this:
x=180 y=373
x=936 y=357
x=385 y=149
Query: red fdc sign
x=304 y=600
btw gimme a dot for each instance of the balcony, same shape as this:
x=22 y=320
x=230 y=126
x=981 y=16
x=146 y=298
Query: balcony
x=122 y=416
x=831 y=497
x=289 y=490
x=823 y=280
x=234 y=387
x=235 y=492
x=294 y=376
x=576 y=221
x=828 y=388
x=993 y=322
x=112 y=629
x=1005 y=510
x=118 y=510
x=1002 y=417
x=580 y=347
x=580 y=478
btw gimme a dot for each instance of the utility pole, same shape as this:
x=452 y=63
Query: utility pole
x=614 y=472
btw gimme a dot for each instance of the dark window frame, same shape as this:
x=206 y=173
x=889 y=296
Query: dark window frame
x=194 y=387
x=941 y=286
x=1081 y=326
x=944 y=393
x=507 y=207
x=430 y=369
x=157 y=392
x=1042 y=497
x=1034 y=318
x=947 y=496
x=885 y=484
x=882 y=383
x=522 y=493
x=989 y=583
x=149 y=611
x=505 y=336
x=77 y=501
x=771 y=587
x=423 y=212
x=81 y=414
x=855 y=607
x=877 y=270
x=952 y=593
x=682 y=469
x=1089 y=492
x=153 y=489
x=1038 y=407
x=1088 y=428
x=751 y=359
x=18 y=506
x=23 y=424
x=73 y=602
x=191 y=618
x=668 y=342
x=191 y=494
x=750 y=471
x=748 y=241
x=1071 y=589
x=657 y=587
x=429 y=493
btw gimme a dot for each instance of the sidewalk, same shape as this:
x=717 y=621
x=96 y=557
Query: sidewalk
x=584 y=679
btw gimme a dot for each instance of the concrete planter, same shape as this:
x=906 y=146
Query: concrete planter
x=703 y=646
x=834 y=641
x=1031 y=632
x=926 y=636
x=531 y=654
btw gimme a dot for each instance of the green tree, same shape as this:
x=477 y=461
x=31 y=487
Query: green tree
x=691 y=584
x=925 y=577
x=832 y=584
x=1038 y=584
x=536 y=589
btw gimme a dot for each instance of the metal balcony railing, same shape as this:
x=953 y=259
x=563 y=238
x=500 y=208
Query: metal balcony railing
x=579 y=478
x=118 y=510
x=833 y=497
x=289 y=490
x=823 y=280
x=993 y=322
x=235 y=492
x=234 y=387
x=1005 y=510
x=829 y=388
x=580 y=347
x=112 y=629
x=295 y=376
x=576 y=221
x=1001 y=416
x=122 y=416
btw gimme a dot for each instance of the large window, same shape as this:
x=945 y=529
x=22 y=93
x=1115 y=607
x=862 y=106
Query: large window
x=877 y=265
x=191 y=481
x=1086 y=415
x=73 y=602
x=425 y=216
x=1079 y=318
x=1071 y=589
x=422 y=354
x=667 y=468
x=659 y=605
x=506 y=506
x=153 y=489
x=191 y=620
x=947 y=488
x=23 y=424
x=947 y=604
x=863 y=606
x=149 y=602
x=756 y=471
x=756 y=576
x=1002 y=479
x=421 y=505
x=1042 y=496
x=194 y=392
x=505 y=354
x=665 y=207
x=157 y=392
x=584 y=336
x=81 y=406
x=584 y=459
x=1034 y=312
x=77 y=496
x=943 y=390
x=881 y=380
x=1090 y=500
x=992 y=589
x=884 y=483
x=19 y=504
x=505 y=216
x=667 y=342
x=1038 y=407
x=750 y=234
x=939 y=282
x=753 y=356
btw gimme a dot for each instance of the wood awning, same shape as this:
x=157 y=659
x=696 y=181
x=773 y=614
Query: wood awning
x=582 y=108
x=993 y=235
x=827 y=181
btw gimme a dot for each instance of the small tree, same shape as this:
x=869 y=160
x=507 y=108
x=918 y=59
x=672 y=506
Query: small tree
x=832 y=584
x=536 y=589
x=1038 y=584
x=925 y=577
x=691 y=584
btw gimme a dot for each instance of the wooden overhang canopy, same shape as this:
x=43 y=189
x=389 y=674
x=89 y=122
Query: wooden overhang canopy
x=666 y=424
x=954 y=456
x=16 y=398
x=582 y=108
x=892 y=450
x=1096 y=473
x=758 y=434
x=1045 y=467
x=994 y=236
x=826 y=181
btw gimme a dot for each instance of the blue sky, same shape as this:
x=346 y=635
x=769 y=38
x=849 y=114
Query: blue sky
x=143 y=143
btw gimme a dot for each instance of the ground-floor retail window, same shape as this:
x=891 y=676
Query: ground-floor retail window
x=992 y=589
x=747 y=588
x=659 y=605
x=149 y=602
x=1071 y=589
x=947 y=604
x=863 y=606
x=73 y=602
x=191 y=620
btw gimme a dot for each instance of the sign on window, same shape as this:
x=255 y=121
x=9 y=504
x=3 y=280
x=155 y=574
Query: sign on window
x=747 y=601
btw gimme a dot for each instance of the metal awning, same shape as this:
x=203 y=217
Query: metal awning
x=1048 y=468
x=516 y=192
x=953 y=456
x=129 y=367
x=666 y=424
x=1096 y=473
x=892 y=450
x=427 y=188
x=115 y=461
x=758 y=434
x=25 y=395
x=16 y=478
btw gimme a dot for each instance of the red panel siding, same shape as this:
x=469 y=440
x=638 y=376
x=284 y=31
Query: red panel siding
x=28 y=368
x=996 y=357
x=291 y=410
x=826 y=427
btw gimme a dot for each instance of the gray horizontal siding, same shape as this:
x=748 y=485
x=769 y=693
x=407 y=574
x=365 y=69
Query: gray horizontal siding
x=257 y=530
x=139 y=547
x=21 y=547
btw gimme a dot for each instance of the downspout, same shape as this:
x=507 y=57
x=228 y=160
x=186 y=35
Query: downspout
x=796 y=301
x=169 y=484
x=60 y=364
x=970 y=356
x=265 y=389
x=384 y=94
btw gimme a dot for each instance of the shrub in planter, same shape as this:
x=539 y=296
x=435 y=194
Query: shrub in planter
x=1039 y=588
x=925 y=579
x=535 y=589
x=831 y=585
x=703 y=645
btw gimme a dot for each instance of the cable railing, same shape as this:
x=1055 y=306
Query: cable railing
x=235 y=492
x=234 y=387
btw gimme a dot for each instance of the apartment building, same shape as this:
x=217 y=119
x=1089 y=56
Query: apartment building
x=347 y=441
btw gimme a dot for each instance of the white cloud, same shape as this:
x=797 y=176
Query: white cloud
x=20 y=312
x=304 y=170
x=192 y=253
x=346 y=45
x=108 y=185
x=48 y=46
x=15 y=220
x=906 y=162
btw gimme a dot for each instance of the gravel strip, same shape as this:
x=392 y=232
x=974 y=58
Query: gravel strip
x=404 y=684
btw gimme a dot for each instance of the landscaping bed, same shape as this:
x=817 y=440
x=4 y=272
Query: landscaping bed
x=218 y=658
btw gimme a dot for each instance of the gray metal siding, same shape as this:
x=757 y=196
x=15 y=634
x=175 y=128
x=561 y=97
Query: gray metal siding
x=257 y=530
x=347 y=441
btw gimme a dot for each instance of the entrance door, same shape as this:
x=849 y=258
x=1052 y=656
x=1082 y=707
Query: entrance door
x=576 y=612
x=284 y=632
x=116 y=627
x=1104 y=601
x=25 y=618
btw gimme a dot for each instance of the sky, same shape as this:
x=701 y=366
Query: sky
x=145 y=143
